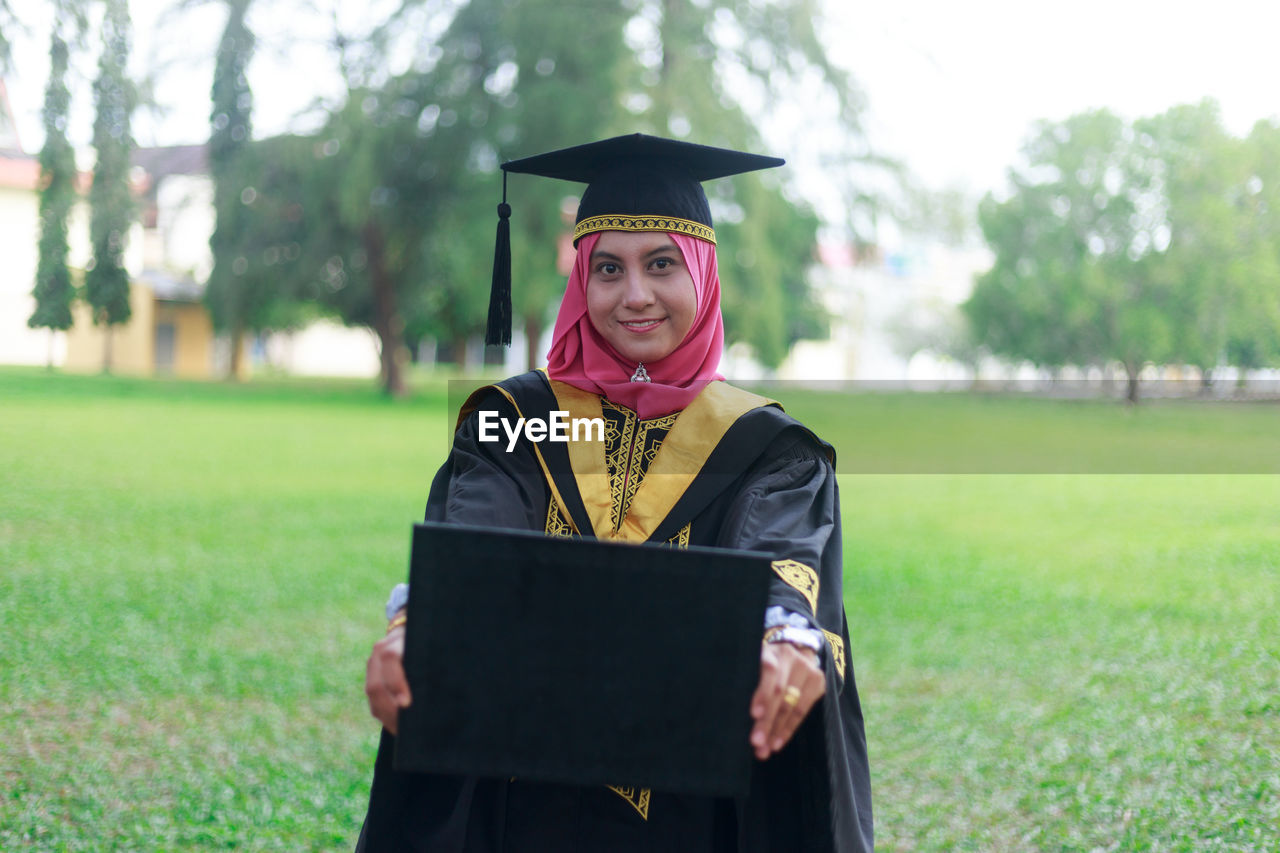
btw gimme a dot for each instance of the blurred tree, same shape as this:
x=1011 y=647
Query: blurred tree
x=1133 y=244
x=1197 y=249
x=506 y=78
x=1072 y=281
x=947 y=215
x=394 y=186
x=54 y=290
x=687 y=52
x=279 y=220
x=397 y=236
x=110 y=198
x=237 y=290
x=518 y=78
x=1253 y=338
x=9 y=24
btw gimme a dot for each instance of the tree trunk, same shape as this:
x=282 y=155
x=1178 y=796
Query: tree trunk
x=106 y=347
x=532 y=337
x=386 y=316
x=1131 y=371
x=1206 y=381
x=52 y=332
x=237 y=344
x=458 y=352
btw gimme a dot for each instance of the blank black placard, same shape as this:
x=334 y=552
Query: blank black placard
x=579 y=661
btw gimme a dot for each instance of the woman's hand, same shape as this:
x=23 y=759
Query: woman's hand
x=785 y=671
x=384 y=681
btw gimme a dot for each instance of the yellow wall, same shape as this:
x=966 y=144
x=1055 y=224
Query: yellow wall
x=192 y=338
x=132 y=344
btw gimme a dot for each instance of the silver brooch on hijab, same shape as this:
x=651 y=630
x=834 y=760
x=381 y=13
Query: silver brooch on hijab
x=641 y=375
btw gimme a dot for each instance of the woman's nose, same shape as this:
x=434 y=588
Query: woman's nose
x=637 y=294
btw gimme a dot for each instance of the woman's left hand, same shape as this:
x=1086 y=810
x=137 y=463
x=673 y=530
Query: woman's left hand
x=785 y=671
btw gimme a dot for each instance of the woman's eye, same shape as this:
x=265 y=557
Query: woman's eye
x=662 y=263
x=608 y=269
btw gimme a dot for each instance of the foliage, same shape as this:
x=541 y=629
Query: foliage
x=54 y=290
x=524 y=82
x=364 y=198
x=411 y=236
x=1131 y=244
x=8 y=24
x=1045 y=662
x=1065 y=287
x=398 y=233
x=680 y=88
x=1253 y=338
x=110 y=198
x=239 y=286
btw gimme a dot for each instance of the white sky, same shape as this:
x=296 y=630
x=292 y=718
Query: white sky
x=952 y=86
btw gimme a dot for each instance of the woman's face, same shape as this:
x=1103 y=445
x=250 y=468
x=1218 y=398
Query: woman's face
x=640 y=294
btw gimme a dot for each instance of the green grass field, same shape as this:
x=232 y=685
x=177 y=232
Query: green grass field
x=191 y=576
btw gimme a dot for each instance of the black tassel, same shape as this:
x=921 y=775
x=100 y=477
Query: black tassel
x=499 y=327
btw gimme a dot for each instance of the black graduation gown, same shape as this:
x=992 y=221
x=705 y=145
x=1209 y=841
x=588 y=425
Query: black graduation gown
x=766 y=484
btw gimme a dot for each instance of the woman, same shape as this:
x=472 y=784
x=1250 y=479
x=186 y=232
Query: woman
x=637 y=341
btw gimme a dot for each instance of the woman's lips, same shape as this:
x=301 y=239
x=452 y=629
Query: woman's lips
x=640 y=326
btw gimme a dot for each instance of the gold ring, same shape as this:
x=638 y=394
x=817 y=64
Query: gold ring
x=792 y=697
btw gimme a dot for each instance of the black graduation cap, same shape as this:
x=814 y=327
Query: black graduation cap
x=634 y=183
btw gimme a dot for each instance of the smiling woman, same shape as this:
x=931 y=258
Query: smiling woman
x=686 y=460
x=640 y=295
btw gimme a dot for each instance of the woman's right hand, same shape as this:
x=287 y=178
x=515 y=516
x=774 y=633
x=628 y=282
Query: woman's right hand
x=384 y=680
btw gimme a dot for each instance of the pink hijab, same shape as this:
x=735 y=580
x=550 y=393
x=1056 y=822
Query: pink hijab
x=582 y=358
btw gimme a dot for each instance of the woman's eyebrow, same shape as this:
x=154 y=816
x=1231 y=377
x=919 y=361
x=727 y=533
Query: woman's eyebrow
x=598 y=255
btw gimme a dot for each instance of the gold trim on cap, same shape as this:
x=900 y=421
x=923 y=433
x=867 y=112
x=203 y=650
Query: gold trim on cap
x=644 y=223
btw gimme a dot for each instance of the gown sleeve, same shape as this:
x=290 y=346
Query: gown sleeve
x=484 y=483
x=816 y=793
x=789 y=508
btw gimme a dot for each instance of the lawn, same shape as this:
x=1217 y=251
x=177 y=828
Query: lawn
x=191 y=576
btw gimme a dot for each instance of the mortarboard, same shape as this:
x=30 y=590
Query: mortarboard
x=634 y=183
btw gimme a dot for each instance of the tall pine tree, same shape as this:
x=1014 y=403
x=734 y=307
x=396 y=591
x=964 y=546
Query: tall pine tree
x=110 y=200
x=230 y=287
x=53 y=288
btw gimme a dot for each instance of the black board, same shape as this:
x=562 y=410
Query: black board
x=581 y=661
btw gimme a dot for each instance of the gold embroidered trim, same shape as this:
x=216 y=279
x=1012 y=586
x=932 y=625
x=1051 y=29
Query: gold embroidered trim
x=697 y=431
x=644 y=223
x=630 y=448
x=587 y=458
x=556 y=525
x=638 y=798
x=617 y=443
x=681 y=539
x=837 y=651
x=802 y=578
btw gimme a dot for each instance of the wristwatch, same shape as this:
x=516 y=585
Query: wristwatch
x=398 y=601
x=806 y=638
